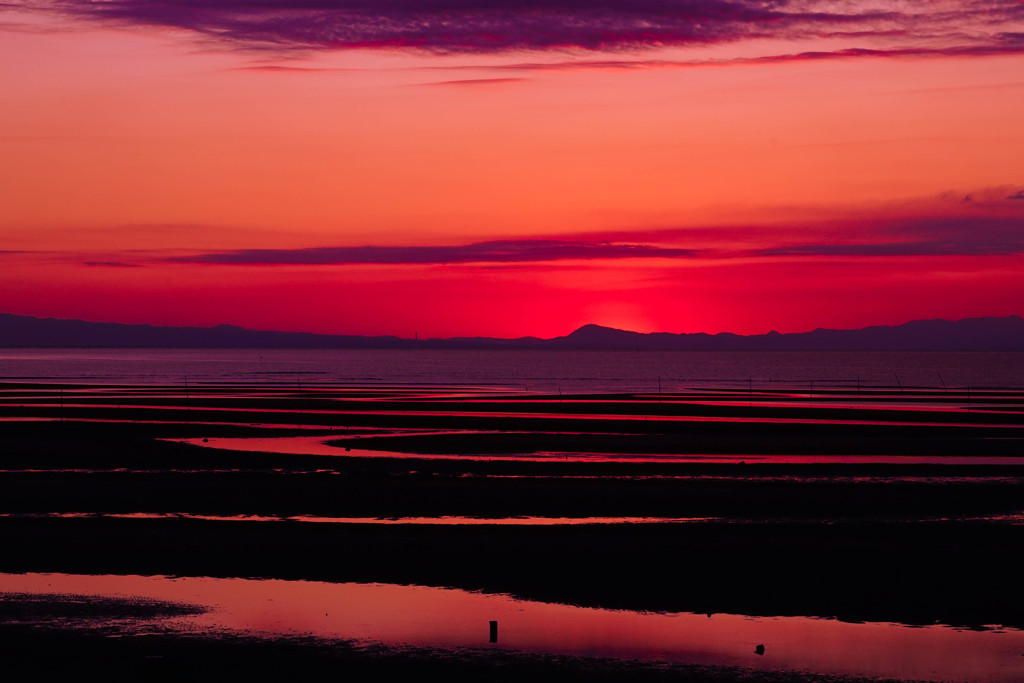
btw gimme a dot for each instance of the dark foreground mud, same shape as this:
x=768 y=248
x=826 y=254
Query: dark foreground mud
x=34 y=654
x=959 y=574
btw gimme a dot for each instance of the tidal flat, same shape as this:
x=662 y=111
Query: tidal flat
x=886 y=515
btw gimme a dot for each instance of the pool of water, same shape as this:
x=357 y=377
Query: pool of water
x=449 y=619
x=333 y=445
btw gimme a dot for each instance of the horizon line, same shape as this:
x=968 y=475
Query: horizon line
x=527 y=336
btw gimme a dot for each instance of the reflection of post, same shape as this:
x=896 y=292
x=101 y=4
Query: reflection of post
x=494 y=631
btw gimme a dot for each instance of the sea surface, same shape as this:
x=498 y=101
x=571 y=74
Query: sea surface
x=569 y=372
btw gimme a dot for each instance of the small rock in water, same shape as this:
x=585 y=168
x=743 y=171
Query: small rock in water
x=759 y=650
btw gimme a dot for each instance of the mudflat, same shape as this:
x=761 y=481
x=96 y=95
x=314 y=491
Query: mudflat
x=881 y=506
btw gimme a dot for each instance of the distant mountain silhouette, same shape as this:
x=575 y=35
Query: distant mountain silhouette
x=28 y=332
x=940 y=335
x=982 y=334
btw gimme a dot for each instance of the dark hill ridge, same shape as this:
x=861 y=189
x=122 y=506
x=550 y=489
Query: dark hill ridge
x=28 y=332
x=982 y=334
x=941 y=335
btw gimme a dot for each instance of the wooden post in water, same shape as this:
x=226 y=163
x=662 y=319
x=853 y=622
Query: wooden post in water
x=494 y=631
x=898 y=383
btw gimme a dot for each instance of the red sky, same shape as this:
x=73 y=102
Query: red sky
x=511 y=168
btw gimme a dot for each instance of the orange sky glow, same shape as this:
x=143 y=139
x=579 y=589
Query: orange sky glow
x=512 y=168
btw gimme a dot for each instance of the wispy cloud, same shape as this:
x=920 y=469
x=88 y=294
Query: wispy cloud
x=931 y=236
x=112 y=264
x=1005 y=44
x=869 y=236
x=482 y=26
x=476 y=82
x=284 y=68
x=502 y=251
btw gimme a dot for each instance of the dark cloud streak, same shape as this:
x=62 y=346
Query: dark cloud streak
x=470 y=82
x=483 y=26
x=501 y=251
x=968 y=236
x=923 y=248
x=998 y=47
x=933 y=236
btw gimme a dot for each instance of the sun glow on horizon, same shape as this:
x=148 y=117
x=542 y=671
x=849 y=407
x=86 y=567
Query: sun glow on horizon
x=274 y=180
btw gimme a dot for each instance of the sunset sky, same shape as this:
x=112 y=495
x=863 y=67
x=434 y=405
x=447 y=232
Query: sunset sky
x=512 y=167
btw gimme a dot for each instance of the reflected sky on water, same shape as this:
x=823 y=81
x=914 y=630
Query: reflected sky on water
x=449 y=619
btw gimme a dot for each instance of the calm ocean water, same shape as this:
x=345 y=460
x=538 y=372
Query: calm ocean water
x=542 y=371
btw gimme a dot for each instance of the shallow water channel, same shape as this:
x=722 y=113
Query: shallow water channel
x=448 y=619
